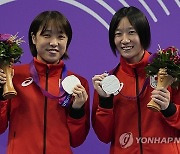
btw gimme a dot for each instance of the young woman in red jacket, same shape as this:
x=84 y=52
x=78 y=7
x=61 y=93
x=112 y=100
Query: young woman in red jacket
x=124 y=119
x=43 y=118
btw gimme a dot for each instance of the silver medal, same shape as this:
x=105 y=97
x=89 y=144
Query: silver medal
x=111 y=85
x=69 y=83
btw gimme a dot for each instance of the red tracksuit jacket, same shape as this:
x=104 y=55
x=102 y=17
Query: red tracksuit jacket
x=128 y=124
x=38 y=124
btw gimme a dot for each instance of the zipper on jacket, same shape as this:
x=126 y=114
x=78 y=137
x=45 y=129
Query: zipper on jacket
x=139 y=111
x=45 y=114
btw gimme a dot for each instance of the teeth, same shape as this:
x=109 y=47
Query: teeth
x=127 y=48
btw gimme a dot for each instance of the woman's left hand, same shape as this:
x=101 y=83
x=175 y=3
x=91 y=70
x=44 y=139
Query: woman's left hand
x=80 y=97
x=161 y=96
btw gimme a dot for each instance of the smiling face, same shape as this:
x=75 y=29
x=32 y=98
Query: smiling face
x=50 y=44
x=127 y=42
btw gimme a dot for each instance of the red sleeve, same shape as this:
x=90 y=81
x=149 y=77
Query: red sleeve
x=3 y=116
x=174 y=120
x=79 y=128
x=102 y=121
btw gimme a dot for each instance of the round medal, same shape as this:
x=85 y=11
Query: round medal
x=69 y=83
x=111 y=85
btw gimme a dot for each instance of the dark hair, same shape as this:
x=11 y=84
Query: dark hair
x=42 y=21
x=139 y=22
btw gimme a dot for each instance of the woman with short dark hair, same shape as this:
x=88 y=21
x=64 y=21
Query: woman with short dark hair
x=46 y=116
x=120 y=116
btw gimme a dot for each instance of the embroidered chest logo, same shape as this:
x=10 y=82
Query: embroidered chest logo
x=153 y=81
x=126 y=140
x=27 y=82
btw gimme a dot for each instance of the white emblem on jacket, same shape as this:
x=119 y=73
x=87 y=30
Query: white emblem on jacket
x=27 y=82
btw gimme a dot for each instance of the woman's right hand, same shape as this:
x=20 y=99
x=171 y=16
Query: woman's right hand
x=2 y=77
x=97 y=84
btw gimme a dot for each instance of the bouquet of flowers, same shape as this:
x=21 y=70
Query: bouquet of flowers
x=166 y=65
x=10 y=52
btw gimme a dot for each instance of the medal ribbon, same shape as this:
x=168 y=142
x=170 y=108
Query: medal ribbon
x=64 y=98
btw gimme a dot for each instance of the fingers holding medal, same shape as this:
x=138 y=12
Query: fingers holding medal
x=72 y=85
x=97 y=83
x=80 y=96
x=107 y=85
